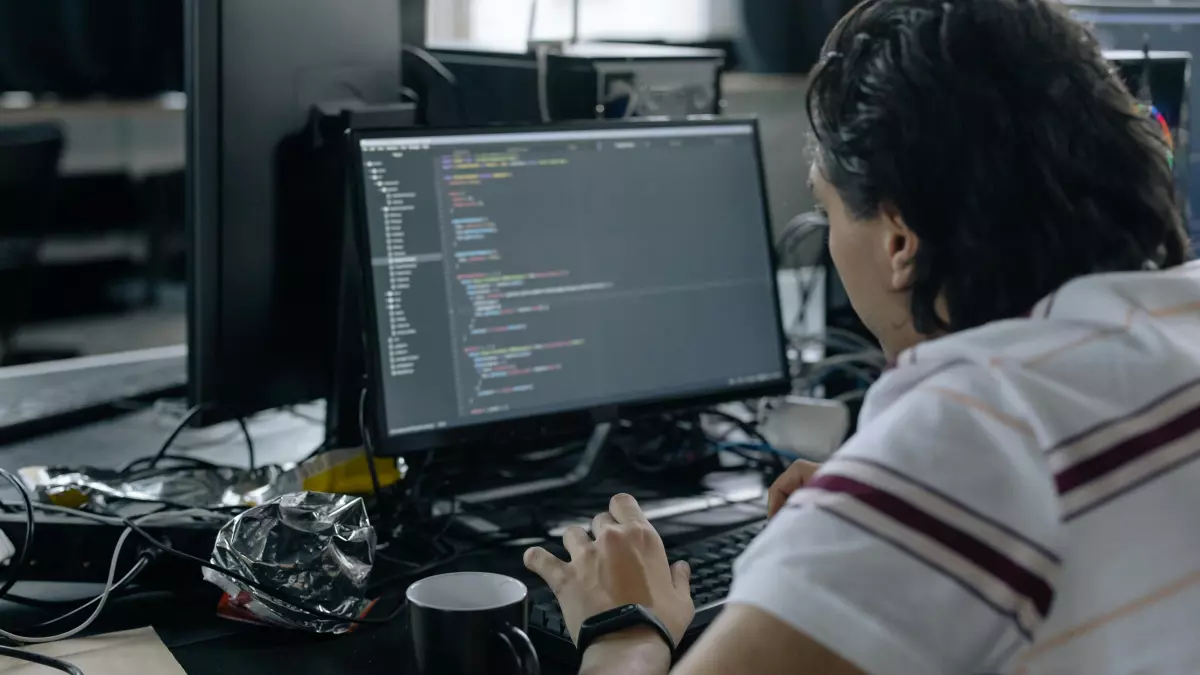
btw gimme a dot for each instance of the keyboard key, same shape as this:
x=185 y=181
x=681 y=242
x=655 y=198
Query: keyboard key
x=554 y=624
x=537 y=617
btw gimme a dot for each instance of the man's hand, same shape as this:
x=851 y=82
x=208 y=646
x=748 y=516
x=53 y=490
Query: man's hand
x=796 y=476
x=625 y=564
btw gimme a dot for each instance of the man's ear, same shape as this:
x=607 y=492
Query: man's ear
x=900 y=246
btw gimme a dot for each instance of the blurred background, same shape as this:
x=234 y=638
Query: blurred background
x=99 y=266
x=92 y=133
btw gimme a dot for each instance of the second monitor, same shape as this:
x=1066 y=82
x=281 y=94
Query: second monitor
x=566 y=274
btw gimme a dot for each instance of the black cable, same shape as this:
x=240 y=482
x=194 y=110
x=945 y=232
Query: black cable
x=38 y=603
x=291 y=410
x=506 y=539
x=123 y=582
x=187 y=417
x=40 y=659
x=747 y=428
x=796 y=232
x=752 y=431
x=776 y=464
x=183 y=423
x=186 y=464
x=18 y=569
x=165 y=548
x=274 y=593
x=366 y=439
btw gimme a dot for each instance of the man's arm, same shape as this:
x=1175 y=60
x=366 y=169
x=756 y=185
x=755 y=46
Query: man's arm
x=626 y=564
x=631 y=652
x=745 y=639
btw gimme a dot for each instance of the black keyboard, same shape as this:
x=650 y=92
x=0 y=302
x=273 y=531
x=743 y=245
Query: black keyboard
x=711 y=559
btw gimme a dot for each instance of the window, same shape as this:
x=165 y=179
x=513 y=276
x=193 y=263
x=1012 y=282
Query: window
x=506 y=22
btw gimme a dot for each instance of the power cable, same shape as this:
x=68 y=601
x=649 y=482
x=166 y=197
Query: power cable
x=40 y=659
x=18 y=569
x=274 y=593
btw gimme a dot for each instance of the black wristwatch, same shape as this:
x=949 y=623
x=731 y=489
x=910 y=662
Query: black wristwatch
x=620 y=618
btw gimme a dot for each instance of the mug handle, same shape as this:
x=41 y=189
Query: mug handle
x=521 y=648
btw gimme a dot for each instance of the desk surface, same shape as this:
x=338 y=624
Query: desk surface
x=201 y=642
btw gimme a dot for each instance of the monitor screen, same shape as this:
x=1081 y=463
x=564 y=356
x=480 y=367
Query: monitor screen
x=516 y=274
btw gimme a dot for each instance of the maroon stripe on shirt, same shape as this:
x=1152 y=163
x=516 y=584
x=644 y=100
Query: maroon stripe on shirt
x=1093 y=505
x=1025 y=631
x=1113 y=421
x=1020 y=579
x=920 y=485
x=1129 y=450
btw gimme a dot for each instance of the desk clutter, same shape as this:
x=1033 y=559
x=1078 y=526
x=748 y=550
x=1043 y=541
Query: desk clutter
x=318 y=562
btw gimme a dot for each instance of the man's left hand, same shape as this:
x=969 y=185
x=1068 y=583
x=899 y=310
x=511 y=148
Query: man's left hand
x=625 y=564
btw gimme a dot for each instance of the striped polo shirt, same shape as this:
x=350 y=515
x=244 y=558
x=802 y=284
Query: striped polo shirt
x=1020 y=498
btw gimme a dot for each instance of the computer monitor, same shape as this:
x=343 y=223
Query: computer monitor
x=526 y=280
x=263 y=256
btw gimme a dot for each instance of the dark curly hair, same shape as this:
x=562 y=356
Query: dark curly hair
x=1006 y=142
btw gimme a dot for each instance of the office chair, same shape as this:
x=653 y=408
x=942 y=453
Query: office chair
x=29 y=156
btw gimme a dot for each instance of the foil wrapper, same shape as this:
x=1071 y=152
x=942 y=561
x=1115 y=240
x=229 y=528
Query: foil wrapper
x=315 y=547
x=105 y=490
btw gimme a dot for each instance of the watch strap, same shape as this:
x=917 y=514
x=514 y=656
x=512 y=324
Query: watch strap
x=620 y=618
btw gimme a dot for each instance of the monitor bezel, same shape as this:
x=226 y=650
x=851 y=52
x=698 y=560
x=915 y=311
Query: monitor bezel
x=564 y=421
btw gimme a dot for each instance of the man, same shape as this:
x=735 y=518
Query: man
x=1021 y=495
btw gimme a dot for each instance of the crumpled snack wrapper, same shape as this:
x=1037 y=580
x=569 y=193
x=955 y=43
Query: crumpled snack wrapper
x=315 y=547
x=105 y=490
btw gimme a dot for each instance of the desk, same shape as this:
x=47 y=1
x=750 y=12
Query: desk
x=203 y=643
x=200 y=641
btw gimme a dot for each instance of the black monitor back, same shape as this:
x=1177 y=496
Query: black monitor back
x=263 y=254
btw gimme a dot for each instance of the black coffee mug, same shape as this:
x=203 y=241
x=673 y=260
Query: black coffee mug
x=471 y=623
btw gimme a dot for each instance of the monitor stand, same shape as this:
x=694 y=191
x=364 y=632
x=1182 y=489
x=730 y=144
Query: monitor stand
x=577 y=474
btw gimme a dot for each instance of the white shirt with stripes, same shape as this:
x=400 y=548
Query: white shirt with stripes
x=1020 y=498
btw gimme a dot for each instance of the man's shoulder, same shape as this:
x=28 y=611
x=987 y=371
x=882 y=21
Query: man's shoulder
x=1099 y=305
x=1098 y=349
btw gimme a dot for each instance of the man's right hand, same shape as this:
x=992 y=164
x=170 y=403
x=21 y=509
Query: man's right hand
x=796 y=476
